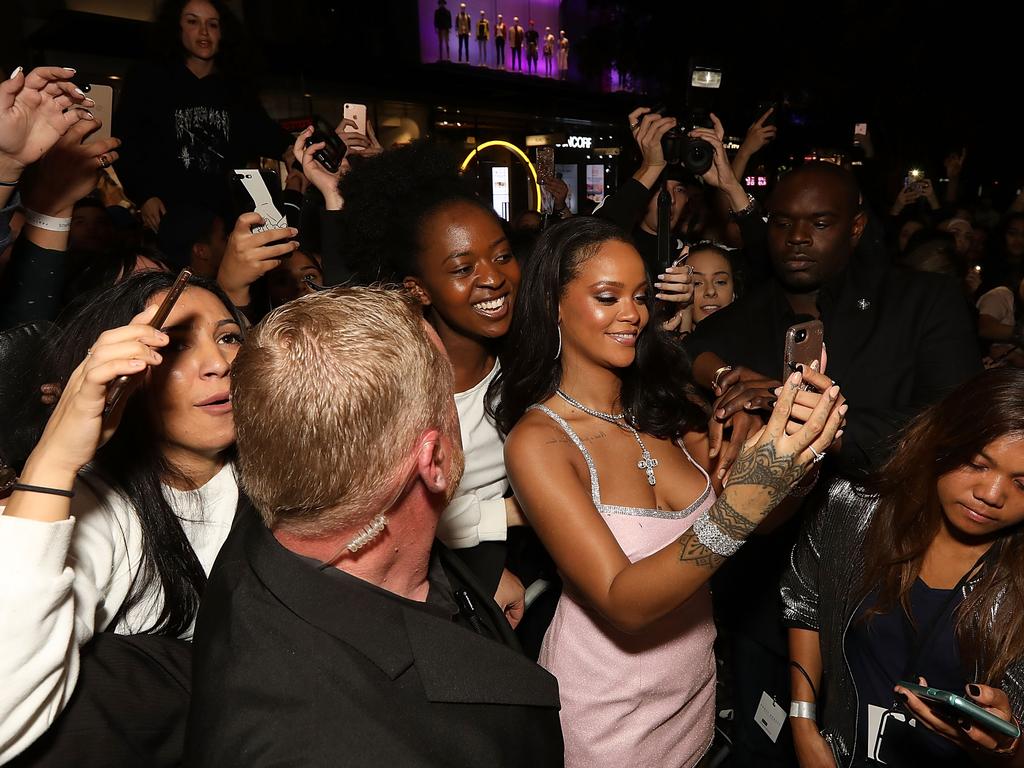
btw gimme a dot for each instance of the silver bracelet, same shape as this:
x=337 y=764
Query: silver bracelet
x=805 y=709
x=714 y=538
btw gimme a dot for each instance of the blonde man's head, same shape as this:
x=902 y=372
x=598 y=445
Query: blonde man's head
x=330 y=393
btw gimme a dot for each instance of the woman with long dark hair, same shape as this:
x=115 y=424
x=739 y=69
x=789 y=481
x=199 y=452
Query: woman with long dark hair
x=181 y=139
x=920 y=576
x=117 y=519
x=598 y=404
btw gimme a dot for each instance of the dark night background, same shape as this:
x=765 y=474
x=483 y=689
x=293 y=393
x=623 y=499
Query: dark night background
x=927 y=78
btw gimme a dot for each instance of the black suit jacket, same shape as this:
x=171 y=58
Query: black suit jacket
x=298 y=667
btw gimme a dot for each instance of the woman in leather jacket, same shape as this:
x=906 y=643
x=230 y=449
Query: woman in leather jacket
x=917 y=577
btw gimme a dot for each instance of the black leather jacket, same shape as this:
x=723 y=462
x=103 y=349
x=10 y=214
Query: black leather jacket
x=820 y=593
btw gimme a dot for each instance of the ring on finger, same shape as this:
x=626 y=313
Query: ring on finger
x=104 y=161
x=817 y=456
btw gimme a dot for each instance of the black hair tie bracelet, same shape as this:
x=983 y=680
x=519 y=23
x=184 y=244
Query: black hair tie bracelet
x=41 y=489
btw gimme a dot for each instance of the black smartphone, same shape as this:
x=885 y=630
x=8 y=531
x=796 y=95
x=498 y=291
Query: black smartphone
x=120 y=385
x=334 y=149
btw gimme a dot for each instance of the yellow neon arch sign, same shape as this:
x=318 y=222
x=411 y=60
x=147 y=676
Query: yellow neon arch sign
x=515 y=150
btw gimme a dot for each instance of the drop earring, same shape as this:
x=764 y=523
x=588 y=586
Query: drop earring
x=558 y=353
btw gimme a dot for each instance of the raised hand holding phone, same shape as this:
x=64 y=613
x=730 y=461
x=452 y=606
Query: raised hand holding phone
x=80 y=424
x=250 y=254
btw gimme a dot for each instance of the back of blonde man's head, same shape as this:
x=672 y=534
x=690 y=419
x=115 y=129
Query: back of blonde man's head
x=330 y=394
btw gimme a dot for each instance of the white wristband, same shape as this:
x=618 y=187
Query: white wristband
x=42 y=221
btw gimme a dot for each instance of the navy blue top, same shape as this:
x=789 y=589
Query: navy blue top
x=879 y=651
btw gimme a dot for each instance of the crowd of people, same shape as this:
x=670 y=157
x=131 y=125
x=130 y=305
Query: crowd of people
x=390 y=480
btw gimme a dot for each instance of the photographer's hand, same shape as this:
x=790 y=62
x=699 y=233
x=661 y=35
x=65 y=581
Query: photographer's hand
x=720 y=174
x=648 y=128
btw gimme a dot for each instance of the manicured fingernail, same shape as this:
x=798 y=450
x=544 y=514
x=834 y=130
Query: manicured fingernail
x=815 y=365
x=137 y=363
x=662 y=277
x=713 y=452
x=777 y=390
x=839 y=434
x=833 y=392
x=974 y=690
x=89 y=102
x=15 y=73
x=72 y=70
x=794 y=367
x=79 y=91
x=794 y=379
x=721 y=474
x=87 y=115
x=843 y=409
x=293 y=230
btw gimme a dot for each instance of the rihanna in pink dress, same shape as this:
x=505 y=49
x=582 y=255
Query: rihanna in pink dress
x=634 y=699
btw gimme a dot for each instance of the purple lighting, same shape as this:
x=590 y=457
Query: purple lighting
x=543 y=12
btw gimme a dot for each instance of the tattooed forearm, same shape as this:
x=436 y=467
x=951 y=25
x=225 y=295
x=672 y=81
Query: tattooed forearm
x=730 y=521
x=693 y=552
x=775 y=474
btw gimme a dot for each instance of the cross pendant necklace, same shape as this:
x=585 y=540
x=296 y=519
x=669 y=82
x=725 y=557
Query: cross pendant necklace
x=647 y=462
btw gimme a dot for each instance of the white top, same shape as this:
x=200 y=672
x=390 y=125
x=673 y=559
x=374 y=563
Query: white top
x=997 y=303
x=62 y=582
x=477 y=511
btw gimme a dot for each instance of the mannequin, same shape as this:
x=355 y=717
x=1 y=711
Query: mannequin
x=462 y=25
x=563 y=56
x=483 y=34
x=517 y=34
x=443 y=25
x=549 y=50
x=499 y=42
x=532 y=36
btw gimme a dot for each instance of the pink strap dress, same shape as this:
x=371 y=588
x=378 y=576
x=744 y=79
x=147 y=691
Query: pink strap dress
x=634 y=700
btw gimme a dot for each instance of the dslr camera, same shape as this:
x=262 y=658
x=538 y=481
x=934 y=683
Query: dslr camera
x=695 y=155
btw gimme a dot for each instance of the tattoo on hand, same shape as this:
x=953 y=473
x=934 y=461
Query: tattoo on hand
x=763 y=467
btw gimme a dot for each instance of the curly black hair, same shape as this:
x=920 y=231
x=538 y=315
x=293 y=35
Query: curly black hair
x=387 y=199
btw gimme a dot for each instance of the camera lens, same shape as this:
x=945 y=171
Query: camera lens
x=86 y=87
x=698 y=157
x=801 y=335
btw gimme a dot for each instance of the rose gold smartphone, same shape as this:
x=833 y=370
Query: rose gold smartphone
x=803 y=345
x=120 y=385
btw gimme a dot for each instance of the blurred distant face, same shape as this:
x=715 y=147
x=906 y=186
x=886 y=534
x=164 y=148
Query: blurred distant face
x=961 y=232
x=200 y=30
x=288 y=281
x=679 y=196
x=1015 y=238
x=907 y=231
x=91 y=230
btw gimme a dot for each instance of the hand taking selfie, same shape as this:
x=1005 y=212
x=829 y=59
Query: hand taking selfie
x=250 y=255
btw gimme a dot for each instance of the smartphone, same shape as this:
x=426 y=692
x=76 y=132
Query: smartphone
x=803 y=345
x=329 y=156
x=120 y=385
x=914 y=176
x=860 y=129
x=357 y=114
x=262 y=200
x=545 y=163
x=958 y=705
x=103 y=95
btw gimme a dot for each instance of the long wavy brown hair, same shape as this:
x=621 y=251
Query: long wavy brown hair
x=943 y=438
